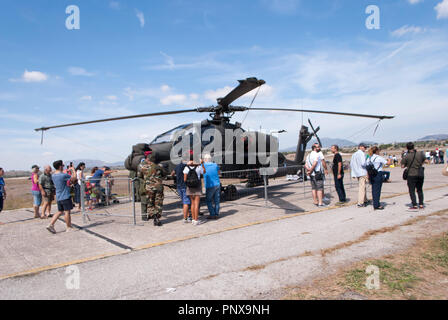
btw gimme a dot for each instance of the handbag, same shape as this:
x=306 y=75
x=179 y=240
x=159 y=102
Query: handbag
x=406 y=171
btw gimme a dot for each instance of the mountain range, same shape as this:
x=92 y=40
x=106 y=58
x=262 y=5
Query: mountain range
x=435 y=137
x=96 y=163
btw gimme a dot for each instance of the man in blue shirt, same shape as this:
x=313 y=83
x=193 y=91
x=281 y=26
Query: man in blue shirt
x=62 y=182
x=96 y=182
x=2 y=189
x=212 y=187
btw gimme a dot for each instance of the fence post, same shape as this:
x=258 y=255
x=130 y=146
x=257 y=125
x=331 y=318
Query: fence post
x=133 y=202
x=265 y=179
x=303 y=178
x=106 y=180
x=331 y=180
x=82 y=199
x=129 y=189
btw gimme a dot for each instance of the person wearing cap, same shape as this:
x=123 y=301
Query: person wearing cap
x=359 y=172
x=140 y=190
x=35 y=190
x=154 y=175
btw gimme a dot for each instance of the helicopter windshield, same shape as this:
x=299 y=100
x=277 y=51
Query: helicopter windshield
x=168 y=136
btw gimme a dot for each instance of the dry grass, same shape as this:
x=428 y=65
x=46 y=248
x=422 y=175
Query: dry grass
x=419 y=273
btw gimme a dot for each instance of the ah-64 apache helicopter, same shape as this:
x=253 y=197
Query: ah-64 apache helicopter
x=219 y=121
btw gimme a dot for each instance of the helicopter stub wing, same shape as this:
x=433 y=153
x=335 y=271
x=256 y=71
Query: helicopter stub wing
x=244 y=87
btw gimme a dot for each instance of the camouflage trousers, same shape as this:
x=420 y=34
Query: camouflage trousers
x=154 y=200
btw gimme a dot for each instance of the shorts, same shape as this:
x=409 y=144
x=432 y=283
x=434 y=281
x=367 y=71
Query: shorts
x=65 y=205
x=49 y=197
x=194 y=191
x=37 y=198
x=183 y=195
x=316 y=184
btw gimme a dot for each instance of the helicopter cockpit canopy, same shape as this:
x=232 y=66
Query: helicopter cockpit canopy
x=168 y=136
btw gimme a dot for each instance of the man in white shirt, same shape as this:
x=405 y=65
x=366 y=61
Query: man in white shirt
x=314 y=164
x=359 y=172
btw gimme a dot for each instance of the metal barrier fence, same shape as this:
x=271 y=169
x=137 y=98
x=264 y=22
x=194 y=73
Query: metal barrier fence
x=251 y=185
x=112 y=191
x=115 y=191
x=265 y=181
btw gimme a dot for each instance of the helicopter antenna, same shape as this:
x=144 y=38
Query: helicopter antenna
x=250 y=106
x=376 y=128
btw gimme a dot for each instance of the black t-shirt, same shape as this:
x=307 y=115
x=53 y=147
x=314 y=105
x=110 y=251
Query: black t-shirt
x=336 y=160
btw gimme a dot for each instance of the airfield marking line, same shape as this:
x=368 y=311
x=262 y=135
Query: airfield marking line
x=153 y=245
x=61 y=265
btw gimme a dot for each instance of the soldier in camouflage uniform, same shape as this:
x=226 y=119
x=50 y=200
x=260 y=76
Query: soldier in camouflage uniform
x=154 y=175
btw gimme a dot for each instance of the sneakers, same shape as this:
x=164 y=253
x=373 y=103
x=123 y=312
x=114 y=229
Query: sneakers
x=413 y=209
x=196 y=222
x=51 y=229
x=186 y=221
x=362 y=205
x=70 y=230
x=322 y=206
x=189 y=219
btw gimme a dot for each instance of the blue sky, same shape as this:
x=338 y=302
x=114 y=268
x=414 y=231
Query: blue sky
x=131 y=57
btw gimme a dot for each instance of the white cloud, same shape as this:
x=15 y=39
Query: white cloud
x=202 y=62
x=165 y=88
x=140 y=17
x=86 y=98
x=112 y=98
x=31 y=76
x=173 y=99
x=442 y=9
x=414 y=1
x=407 y=30
x=77 y=71
x=212 y=95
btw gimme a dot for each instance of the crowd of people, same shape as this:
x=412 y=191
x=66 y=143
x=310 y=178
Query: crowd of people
x=436 y=156
x=65 y=184
x=368 y=167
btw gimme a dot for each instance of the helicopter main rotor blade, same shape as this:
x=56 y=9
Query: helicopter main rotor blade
x=117 y=118
x=244 y=87
x=327 y=112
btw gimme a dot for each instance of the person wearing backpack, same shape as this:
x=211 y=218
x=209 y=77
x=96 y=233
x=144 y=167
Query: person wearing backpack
x=414 y=174
x=375 y=165
x=192 y=178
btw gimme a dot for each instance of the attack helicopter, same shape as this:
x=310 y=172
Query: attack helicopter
x=241 y=146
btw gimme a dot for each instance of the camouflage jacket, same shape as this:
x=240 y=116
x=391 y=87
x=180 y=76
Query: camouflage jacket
x=153 y=175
